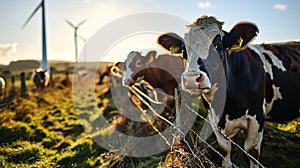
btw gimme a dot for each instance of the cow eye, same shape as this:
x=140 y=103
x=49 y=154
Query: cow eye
x=218 y=46
x=138 y=63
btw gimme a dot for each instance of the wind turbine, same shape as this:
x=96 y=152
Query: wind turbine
x=84 y=48
x=75 y=36
x=44 y=58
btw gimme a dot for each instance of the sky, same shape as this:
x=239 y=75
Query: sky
x=277 y=20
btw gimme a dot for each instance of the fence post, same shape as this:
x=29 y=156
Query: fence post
x=178 y=119
x=13 y=81
x=51 y=82
x=12 y=91
x=23 y=85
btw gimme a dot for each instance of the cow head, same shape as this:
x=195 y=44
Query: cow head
x=204 y=38
x=41 y=78
x=134 y=63
x=117 y=69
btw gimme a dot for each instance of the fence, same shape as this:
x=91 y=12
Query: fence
x=20 y=89
x=181 y=122
x=10 y=94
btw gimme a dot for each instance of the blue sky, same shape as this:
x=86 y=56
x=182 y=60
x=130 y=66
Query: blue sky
x=277 y=20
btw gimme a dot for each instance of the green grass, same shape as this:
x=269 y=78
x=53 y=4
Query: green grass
x=45 y=130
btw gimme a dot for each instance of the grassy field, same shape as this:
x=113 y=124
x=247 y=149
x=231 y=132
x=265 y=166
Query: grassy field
x=45 y=130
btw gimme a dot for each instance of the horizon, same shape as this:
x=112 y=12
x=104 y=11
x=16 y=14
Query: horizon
x=54 y=61
x=111 y=61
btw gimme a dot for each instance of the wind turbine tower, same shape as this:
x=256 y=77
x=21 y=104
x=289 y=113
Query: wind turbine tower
x=44 y=44
x=75 y=36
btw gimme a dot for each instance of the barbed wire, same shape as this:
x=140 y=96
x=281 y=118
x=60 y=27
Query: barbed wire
x=228 y=138
x=171 y=124
x=194 y=132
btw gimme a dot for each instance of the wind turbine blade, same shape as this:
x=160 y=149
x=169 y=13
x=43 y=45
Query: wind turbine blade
x=83 y=39
x=36 y=9
x=79 y=24
x=70 y=23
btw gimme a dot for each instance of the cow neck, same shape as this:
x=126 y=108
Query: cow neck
x=151 y=68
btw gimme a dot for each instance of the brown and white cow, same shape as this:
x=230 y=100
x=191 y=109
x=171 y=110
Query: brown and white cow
x=116 y=73
x=161 y=72
x=41 y=78
x=262 y=81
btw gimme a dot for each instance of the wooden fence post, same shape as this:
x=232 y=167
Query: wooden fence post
x=12 y=91
x=51 y=82
x=23 y=85
x=178 y=113
x=13 y=81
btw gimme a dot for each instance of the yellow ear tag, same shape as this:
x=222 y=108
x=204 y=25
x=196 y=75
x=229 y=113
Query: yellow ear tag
x=237 y=46
x=174 y=49
x=151 y=59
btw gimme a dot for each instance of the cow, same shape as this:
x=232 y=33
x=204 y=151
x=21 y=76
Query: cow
x=41 y=78
x=160 y=71
x=104 y=73
x=116 y=74
x=117 y=69
x=262 y=81
x=2 y=86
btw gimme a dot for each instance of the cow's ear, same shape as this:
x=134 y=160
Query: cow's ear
x=172 y=42
x=120 y=65
x=150 y=55
x=240 y=36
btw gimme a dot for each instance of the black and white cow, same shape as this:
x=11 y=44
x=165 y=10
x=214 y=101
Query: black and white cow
x=2 y=87
x=262 y=81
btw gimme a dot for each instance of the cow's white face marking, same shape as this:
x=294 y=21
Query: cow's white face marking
x=198 y=41
x=128 y=71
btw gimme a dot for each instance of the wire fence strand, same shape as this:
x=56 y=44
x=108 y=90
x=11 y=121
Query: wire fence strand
x=192 y=131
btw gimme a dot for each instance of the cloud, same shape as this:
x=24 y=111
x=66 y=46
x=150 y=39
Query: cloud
x=7 y=50
x=87 y=1
x=204 y=5
x=281 y=7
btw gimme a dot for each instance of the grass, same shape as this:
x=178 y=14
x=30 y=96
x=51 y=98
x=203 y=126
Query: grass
x=45 y=130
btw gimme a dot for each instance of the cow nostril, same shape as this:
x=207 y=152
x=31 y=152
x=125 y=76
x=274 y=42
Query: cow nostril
x=200 y=78
x=127 y=81
x=183 y=79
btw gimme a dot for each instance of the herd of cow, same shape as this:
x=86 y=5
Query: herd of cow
x=40 y=78
x=262 y=81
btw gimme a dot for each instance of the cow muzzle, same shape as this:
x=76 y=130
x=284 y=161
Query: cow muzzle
x=195 y=82
x=127 y=82
x=130 y=81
